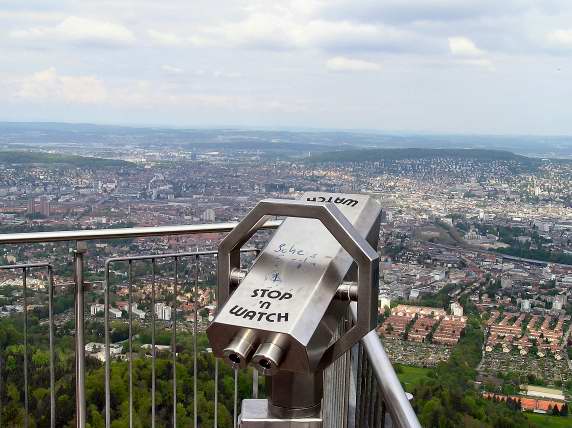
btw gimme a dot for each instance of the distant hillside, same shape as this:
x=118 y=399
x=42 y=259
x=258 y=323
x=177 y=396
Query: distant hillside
x=299 y=141
x=25 y=158
x=374 y=155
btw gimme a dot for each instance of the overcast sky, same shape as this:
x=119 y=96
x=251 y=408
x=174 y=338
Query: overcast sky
x=452 y=66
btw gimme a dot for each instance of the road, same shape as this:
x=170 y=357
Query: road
x=501 y=255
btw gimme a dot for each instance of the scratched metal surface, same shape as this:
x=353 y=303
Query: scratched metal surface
x=291 y=286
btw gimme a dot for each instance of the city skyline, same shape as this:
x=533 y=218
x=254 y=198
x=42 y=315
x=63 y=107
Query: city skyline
x=429 y=67
x=474 y=258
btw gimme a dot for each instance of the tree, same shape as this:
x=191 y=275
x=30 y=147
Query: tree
x=431 y=413
x=449 y=397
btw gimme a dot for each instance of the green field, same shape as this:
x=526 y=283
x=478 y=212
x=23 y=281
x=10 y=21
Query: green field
x=547 y=421
x=410 y=376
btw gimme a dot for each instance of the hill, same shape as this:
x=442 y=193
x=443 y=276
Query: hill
x=16 y=157
x=299 y=141
x=374 y=155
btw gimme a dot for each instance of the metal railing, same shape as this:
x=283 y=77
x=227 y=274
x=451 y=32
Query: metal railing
x=25 y=268
x=361 y=391
x=178 y=258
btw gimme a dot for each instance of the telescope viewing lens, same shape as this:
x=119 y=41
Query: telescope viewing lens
x=264 y=363
x=239 y=350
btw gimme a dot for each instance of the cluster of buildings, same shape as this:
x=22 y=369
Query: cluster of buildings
x=41 y=206
x=97 y=350
x=164 y=307
x=116 y=312
x=425 y=201
x=534 y=399
x=526 y=333
x=424 y=324
x=163 y=311
x=411 y=280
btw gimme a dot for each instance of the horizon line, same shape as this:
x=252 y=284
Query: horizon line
x=293 y=129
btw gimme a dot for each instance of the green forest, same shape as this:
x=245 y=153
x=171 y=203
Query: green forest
x=443 y=397
x=12 y=383
x=448 y=398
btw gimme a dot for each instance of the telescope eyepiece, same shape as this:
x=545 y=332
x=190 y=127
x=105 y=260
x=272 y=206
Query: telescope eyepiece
x=270 y=354
x=235 y=358
x=239 y=352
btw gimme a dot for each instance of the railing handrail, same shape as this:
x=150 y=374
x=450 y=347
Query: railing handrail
x=400 y=409
x=130 y=232
x=393 y=394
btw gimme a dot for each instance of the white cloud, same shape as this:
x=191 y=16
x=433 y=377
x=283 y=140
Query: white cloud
x=407 y=11
x=78 y=30
x=348 y=36
x=561 y=38
x=171 y=69
x=479 y=62
x=226 y=74
x=257 y=31
x=48 y=85
x=149 y=95
x=340 y=63
x=200 y=72
x=189 y=52
x=462 y=46
x=469 y=54
x=50 y=88
x=283 y=32
x=166 y=39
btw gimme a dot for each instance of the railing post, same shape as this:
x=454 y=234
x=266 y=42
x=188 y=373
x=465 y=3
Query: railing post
x=107 y=350
x=130 y=340
x=1 y=388
x=254 y=383
x=79 y=253
x=174 y=342
x=396 y=401
x=153 y=351
x=26 y=389
x=52 y=348
x=216 y=393
x=195 y=330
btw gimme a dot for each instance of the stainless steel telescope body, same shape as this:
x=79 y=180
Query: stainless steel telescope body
x=283 y=315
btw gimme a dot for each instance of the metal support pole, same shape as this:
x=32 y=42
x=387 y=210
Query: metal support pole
x=235 y=401
x=79 y=253
x=254 y=383
x=107 y=351
x=294 y=401
x=52 y=348
x=174 y=342
x=153 y=351
x=2 y=388
x=130 y=344
x=26 y=392
x=195 y=330
x=398 y=405
x=216 y=394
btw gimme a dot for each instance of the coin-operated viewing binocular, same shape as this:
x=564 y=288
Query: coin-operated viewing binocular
x=283 y=314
